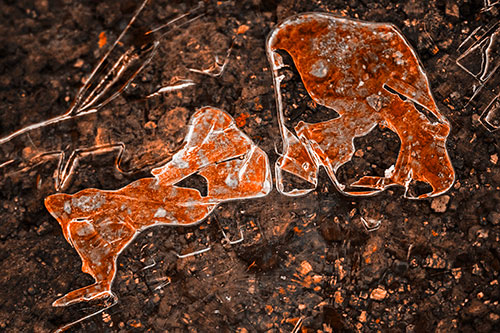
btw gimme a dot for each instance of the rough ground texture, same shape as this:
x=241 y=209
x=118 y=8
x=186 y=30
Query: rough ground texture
x=305 y=262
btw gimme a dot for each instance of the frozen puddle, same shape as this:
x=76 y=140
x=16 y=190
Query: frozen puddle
x=99 y=224
x=368 y=74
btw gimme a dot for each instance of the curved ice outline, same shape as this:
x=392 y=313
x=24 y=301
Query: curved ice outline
x=288 y=138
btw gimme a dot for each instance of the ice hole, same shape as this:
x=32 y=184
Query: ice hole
x=298 y=104
x=291 y=182
x=418 y=188
x=392 y=91
x=195 y=181
x=374 y=154
x=429 y=115
x=423 y=110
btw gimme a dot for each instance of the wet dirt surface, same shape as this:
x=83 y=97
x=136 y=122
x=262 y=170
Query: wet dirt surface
x=309 y=262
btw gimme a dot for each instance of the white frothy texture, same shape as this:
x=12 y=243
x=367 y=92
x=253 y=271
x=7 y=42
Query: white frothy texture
x=67 y=207
x=160 y=212
x=88 y=202
x=319 y=69
x=178 y=162
x=231 y=181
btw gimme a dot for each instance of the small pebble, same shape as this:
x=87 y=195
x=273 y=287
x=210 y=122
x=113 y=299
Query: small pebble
x=440 y=204
x=378 y=294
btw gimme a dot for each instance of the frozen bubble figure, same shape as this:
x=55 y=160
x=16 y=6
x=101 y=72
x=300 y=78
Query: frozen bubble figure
x=368 y=73
x=99 y=224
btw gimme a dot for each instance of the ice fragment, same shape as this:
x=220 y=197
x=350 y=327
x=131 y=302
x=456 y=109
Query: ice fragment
x=480 y=57
x=368 y=73
x=100 y=223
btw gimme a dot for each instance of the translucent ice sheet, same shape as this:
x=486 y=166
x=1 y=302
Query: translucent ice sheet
x=99 y=224
x=369 y=75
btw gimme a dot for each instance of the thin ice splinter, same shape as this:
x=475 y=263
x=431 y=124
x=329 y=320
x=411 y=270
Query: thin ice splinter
x=99 y=224
x=480 y=57
x=125 y=59
x=369 y=74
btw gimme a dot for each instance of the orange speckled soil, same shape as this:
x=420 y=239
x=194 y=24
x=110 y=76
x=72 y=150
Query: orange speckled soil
x=320 y=262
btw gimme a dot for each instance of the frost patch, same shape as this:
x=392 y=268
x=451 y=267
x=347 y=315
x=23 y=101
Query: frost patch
x=178 y=162
x=319 y=69
x=160 y=212
x=67 y=207
x=88 y=203
x=231 y=182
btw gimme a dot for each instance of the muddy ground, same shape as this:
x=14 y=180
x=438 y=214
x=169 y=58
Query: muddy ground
x=307 y=263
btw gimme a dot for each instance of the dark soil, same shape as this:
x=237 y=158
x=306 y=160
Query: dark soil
x=305 y=262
